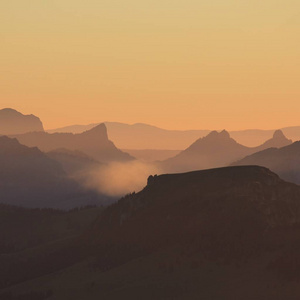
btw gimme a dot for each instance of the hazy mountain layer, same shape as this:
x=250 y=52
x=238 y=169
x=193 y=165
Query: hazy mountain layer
x=94 y=143
x=143 y=136
x=13 y=122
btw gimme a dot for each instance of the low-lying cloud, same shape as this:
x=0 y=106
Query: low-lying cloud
x=117 y=178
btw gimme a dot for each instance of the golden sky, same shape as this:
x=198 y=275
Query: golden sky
x=179 y=64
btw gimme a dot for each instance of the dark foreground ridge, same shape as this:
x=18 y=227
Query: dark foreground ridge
x=228 y=233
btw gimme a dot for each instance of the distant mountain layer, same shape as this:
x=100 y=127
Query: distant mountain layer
x=217 y=149
x=13 y=122
x=143 y=136
x=29 y=178
x=94 y=143
x=284 y=161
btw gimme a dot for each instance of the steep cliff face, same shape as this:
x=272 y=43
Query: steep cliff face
x=13 y=122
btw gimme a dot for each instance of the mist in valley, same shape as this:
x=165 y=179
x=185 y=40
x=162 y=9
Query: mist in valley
x=119 y=178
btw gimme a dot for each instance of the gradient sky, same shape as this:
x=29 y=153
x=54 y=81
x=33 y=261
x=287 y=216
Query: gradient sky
x=175 y=64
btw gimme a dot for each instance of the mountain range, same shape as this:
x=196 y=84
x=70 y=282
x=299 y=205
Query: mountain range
x=217 y=149
x=143 y=136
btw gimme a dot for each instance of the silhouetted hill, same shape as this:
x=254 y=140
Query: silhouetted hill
x=13 y=122
x=229 y=233
x=215 y=203
x=30 y=178
x=93 y=142
x=216 y=150
x=284 y=161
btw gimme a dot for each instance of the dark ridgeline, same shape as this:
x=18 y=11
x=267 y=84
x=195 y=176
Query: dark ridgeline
x=13 y=122
x=217 y=149
x=229 y=233
x=284 y=161
x=94 y=143
x=29 y=178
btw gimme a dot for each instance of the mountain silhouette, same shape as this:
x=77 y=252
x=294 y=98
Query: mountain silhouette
x=183 y=235
x=277 y=141
x=13 y=122
x=29 y=178
x=94 y=143
x=284 y=161
x=144 y=136
x=217 y=149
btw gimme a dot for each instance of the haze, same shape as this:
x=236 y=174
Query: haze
x=178 y=65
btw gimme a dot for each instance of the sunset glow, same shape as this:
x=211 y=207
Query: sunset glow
x=175 y=64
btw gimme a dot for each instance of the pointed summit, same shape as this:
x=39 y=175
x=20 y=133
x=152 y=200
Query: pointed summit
x=99 y=130
x=277 y=141
x=278 y=134
x=224 y=134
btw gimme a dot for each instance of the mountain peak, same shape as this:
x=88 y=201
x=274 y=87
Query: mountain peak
x=222 y=134
x=98 y=130
x=278 y=134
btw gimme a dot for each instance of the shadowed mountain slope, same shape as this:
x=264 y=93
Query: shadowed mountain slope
x=13 y=122
x=93 y=142
x=73 y=161
x=217 y=149
x=284 y=161
x=30 y=178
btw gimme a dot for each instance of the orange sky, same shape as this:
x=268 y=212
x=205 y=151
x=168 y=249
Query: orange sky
x=231 y=64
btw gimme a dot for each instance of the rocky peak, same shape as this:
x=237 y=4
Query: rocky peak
x=279 y=135
x=98 y=131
